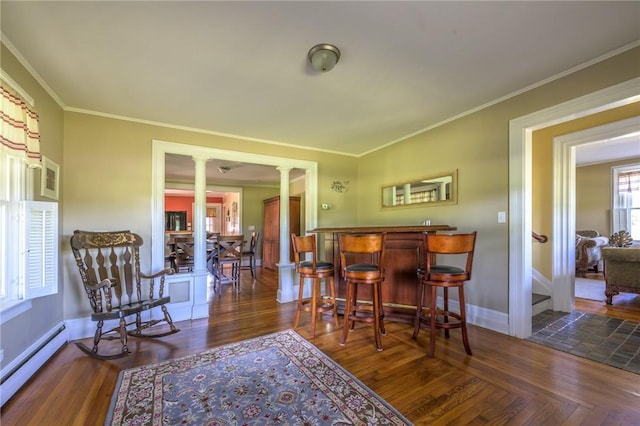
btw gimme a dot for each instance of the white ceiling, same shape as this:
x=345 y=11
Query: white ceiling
x=240 y=68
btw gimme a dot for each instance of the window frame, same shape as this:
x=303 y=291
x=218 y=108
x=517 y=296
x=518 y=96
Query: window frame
x=620 y=212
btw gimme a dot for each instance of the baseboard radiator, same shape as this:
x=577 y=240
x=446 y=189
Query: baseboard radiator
x=20 y=370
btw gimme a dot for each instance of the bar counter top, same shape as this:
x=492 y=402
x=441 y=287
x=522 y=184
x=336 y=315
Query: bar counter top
x=386 y=228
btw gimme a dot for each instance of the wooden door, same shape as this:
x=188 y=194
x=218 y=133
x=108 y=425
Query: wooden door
x=271 y=238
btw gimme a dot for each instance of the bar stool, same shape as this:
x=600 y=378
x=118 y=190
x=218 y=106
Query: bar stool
x=317 y=304
x=433 y=276
x=362 y=260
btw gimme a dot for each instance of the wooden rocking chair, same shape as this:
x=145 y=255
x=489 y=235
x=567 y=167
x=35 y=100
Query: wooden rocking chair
x=109 y=264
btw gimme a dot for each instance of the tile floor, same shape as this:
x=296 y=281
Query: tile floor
x=611 y=341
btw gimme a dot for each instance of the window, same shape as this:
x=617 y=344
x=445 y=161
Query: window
x=626 y=200
x=28 y=229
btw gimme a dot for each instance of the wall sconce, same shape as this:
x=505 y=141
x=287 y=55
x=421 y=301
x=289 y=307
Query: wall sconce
x=340 y=186
x=323 y=57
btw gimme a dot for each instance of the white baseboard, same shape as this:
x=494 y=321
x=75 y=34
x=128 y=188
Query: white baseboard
x=482 y=317
x=17 y=372
x=82 y=328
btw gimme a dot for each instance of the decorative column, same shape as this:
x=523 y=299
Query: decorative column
x=407 y=193
x=200 y=273
x=285 y=266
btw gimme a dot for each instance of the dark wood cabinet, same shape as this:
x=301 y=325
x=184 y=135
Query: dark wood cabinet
x=271 y=229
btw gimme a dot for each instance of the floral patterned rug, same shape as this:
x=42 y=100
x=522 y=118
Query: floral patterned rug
x=274 y=379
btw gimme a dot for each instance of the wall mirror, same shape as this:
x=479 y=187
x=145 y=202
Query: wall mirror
x=432 y=190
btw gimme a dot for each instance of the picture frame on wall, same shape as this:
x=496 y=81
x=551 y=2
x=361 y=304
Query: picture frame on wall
x=49 y=179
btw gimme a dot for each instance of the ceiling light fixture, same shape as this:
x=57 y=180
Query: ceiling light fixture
x=323 y=57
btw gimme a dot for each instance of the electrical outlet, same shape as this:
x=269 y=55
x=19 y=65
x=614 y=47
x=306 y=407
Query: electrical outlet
x=502 y=217
x=251 y=228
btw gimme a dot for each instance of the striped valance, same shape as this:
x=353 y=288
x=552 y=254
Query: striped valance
x=19 y=134
x=629 y=181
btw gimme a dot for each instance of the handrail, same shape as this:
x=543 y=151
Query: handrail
x=539 y=237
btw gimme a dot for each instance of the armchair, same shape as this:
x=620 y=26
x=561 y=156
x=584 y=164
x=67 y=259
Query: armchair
x=589 y=252
x=622 y=271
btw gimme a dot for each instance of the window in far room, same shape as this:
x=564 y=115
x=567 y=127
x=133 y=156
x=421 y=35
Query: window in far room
x=626 y=199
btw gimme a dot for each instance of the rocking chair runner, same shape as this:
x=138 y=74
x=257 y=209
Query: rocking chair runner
x=109 y=265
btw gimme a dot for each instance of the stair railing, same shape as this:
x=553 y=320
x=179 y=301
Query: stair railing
x=539 y=237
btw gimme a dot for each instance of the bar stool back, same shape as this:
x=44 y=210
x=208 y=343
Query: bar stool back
x=433 y=276
x=318 y=303
x=362 y=260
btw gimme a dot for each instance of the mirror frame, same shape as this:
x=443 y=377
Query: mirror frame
x=452 y=200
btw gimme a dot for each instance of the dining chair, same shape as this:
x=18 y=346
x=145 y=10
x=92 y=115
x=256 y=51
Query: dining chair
x=451 y=274
x=226 y=255
x=184 y=258
x=250 y=254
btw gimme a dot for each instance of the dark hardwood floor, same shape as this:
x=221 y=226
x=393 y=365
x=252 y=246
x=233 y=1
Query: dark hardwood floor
x=506 y=381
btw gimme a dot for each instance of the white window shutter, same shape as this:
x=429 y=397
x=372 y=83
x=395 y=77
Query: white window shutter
x=40 y=247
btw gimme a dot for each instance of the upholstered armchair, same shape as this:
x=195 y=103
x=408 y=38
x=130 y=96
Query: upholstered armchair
x=589 y=252
x=621 y=270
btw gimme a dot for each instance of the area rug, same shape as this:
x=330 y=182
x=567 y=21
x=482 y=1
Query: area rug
x=611 y=341
x=590 y=289
x=274 y=379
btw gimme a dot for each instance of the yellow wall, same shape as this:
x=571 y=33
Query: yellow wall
x=542 y=190
x=478 y=146
x=108 y=184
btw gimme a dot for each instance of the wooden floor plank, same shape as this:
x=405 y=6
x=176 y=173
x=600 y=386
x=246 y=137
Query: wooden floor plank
x=506 y=381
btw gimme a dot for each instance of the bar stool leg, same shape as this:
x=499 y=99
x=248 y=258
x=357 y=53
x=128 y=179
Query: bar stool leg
x=352 y=303
x=463 y=320
x=446 y=310
x=332 y=293
x=419 y=308
x=314 y=304
x=299 y=307
x=376 y=316
x=347 y=313
x=380 y=309
x=433 y=314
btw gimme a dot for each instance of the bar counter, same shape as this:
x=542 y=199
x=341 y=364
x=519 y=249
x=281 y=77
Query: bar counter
x=403 y=253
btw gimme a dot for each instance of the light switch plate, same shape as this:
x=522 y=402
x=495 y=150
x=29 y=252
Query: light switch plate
x=502 y=217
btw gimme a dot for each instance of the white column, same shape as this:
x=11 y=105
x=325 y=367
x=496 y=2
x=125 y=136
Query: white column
x=407 y=193
x=285 y=267
x=200 y=272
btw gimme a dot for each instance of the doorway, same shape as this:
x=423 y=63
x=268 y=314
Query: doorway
x=520 y=183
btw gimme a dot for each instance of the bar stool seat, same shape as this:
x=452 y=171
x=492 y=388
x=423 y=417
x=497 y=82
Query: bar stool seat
x=317 y=303
x=434 y=276
x=362 y=259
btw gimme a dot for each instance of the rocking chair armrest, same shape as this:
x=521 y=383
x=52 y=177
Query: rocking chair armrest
x=107 y=282
x=166 y=271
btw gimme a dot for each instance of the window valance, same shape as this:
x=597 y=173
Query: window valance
x=629 y=181
x=19 y=134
